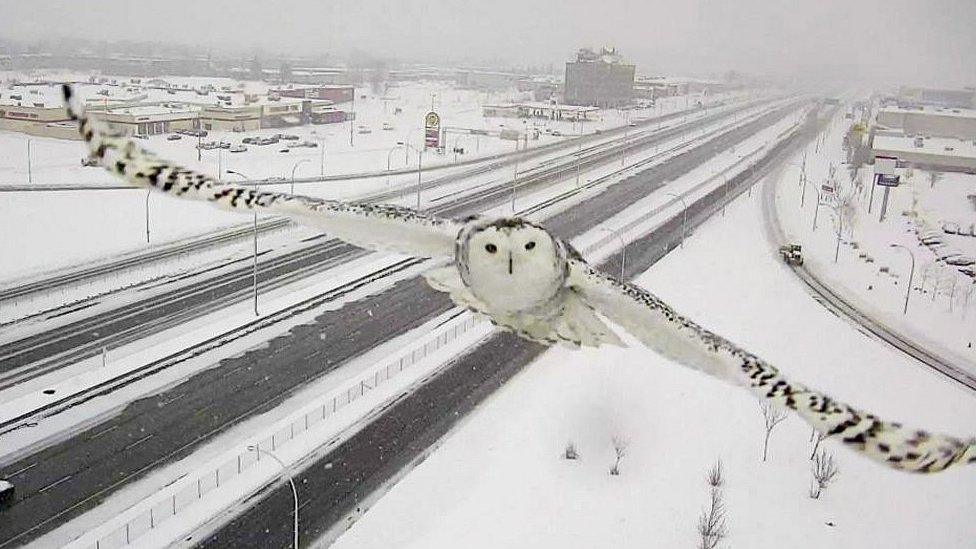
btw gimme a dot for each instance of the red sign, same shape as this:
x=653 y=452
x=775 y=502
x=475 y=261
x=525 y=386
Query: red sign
x=432 y=130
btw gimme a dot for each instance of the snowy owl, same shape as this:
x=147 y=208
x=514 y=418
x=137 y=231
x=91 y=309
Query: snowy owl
x=526 y=280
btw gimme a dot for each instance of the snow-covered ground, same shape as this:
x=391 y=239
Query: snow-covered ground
x=58 y=229
x=873 y=275
x=125 y=358
x=499 y=480
x=55 y=161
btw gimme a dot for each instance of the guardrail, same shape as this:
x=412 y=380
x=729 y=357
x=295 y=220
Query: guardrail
x=150 y=513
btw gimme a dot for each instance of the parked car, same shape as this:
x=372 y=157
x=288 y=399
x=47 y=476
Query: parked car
x=207 y=146
x=387 y=126
x=310 y=144
x=364 y=130
x=238 y=148
x=174 y=137
x=223 y=145
x=140 y=136
x=288 y=137
x=284 y=150
x=89 y=162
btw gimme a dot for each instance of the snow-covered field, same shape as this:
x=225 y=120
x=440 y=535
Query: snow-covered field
x=68 y=228
x=499 y=480
x=941 y=312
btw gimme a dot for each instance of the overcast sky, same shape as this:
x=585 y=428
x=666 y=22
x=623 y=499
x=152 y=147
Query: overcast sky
x=914 y=41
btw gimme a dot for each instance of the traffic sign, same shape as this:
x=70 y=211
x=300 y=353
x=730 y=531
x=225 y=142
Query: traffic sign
x=888 y=180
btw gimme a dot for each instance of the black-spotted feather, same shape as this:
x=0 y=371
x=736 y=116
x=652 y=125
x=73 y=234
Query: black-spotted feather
x=373 y=226
x=658 y=326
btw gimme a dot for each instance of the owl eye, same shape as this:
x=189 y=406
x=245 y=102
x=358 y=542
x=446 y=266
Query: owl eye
x=491 y=248
x=529 y=245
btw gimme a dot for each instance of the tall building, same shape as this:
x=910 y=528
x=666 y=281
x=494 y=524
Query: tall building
x=599 y=79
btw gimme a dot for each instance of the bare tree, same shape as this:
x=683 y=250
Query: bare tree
x=570 y=452
x=711 y=523
x=715 y=478
x=824 y=472
x=817 y=437
x=772 y=417
x=619 y=450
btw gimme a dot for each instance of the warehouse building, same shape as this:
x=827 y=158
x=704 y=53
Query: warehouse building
x=336 y=94
x=150 y=119
x=930 y=121
x=599 y=80
x=934 y=153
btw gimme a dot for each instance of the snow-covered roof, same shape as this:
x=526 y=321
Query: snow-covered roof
x=934 y=111
x=943 y=146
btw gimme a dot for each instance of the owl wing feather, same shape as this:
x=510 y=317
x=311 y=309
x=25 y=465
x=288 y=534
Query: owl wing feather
x=378 y=227
x=662 y=329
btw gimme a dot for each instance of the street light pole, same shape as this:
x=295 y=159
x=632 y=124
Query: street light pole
x=911 y=275
x=684 y=217
x=254 y=267
x=148 y=194
x=293 y=168
x=389 y=155
x=515 y=178
x=291 y=481
x=30 y=175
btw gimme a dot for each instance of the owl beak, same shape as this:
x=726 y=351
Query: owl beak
x=509 y=262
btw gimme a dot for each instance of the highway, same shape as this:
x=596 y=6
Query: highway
x=337 y=488
x=63 y=480
x=479 y=165
x=41 y=353
x=843 y=307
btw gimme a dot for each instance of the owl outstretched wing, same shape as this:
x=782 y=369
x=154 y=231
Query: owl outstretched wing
x=373 y=226
x=662 y=329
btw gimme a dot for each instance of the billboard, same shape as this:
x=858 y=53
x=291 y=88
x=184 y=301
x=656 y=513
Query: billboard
x=432 y=130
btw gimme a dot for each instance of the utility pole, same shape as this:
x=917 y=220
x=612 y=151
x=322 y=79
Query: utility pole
x=254 y=268
x=148 y=194
x=515 y=178
x=30 y=176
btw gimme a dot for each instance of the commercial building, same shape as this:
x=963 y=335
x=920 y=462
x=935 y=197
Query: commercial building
x=599 y=79
x=335 y=94
x=150 y=119
x=948 y=98
x=930 y=121
x=227 y=117
x=934 y=153
x=35 y=118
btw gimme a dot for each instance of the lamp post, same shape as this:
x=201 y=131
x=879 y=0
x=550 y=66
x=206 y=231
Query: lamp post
x=293 y=168
x=684 y=217
x=291 y=481
x=911 y=275
x=420 y=167
x=515 y=178
x=148 y=194
x=321 y=141
x=623 y=249
x=389 y=156
x=30 y=175
x=255 y=257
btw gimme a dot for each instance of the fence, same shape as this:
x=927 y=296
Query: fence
x=170 y=501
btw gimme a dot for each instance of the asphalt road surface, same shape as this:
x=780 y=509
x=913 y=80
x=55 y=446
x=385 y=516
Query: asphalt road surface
x=66 y=479
x=43 y=352
x=333 y=488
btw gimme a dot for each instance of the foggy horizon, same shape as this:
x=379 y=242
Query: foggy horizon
x=871 y=41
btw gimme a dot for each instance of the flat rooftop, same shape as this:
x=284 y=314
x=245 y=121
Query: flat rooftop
x=943 y=146
x=933 y=111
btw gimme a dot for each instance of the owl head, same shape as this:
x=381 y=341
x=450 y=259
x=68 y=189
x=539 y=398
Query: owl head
x=510 y=263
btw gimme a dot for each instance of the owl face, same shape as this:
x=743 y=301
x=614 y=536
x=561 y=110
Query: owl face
x=512 y=265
